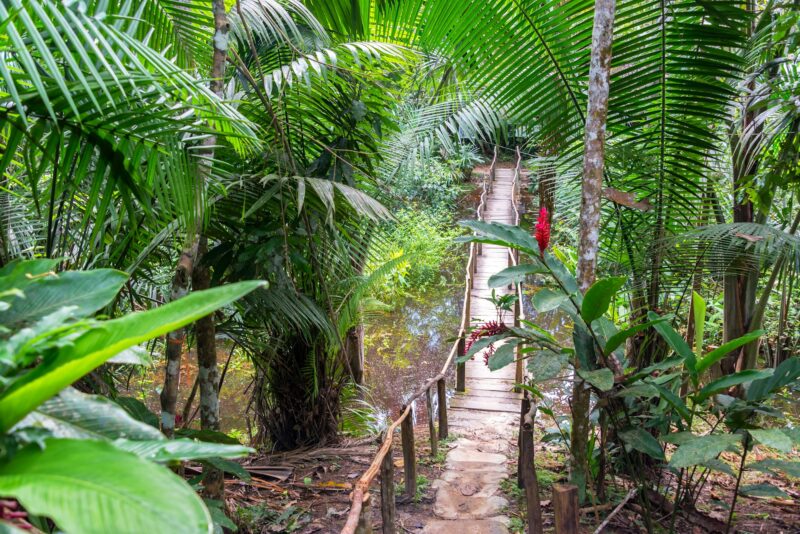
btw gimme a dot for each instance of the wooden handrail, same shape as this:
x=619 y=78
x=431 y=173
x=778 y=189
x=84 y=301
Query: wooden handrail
x=360 y=494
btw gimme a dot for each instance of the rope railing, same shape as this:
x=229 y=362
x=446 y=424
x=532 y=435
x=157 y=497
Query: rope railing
x=358 y=519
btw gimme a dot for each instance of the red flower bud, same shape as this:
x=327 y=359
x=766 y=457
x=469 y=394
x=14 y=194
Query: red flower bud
x=542 y=230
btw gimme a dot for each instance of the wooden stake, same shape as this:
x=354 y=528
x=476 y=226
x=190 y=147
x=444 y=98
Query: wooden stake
x=529 y=473
x=409 y=456
x=461 y=368
x=565 y=503
x=431 y=426
x=442 y=394
x=365 y=519
x=387 y=493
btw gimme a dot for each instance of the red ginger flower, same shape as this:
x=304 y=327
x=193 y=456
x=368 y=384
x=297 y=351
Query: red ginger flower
x=489 y=328
x=542 y=230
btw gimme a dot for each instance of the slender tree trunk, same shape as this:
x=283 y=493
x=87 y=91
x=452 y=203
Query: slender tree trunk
x=205 y=328
x=591 y=193
x=174 y=349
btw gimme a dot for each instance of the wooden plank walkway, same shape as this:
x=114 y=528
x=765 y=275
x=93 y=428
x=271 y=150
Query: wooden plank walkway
x=486 y=415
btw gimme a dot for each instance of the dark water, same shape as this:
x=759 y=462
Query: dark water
x=405 y=348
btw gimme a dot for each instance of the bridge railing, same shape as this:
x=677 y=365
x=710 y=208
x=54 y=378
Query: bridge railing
x=358 y=519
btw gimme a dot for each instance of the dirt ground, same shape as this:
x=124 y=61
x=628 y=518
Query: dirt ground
x=315 y=497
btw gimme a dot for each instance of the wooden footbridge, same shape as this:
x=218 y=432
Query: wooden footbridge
x=485 y=412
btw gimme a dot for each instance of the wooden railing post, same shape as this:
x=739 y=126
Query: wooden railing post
x=431 y=425
x=518 y=348
x=565 y=504
x=409 y=455
x=442 y=394
x=365 y=518
x=528 y=470
x=387 y=493
x=461 y=368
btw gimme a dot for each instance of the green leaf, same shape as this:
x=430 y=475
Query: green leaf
x=717 y=354
x=674 y=401
x=646 y=391
x=789 y=467
x=674 y=340
x=95 y=346
x=503 y=355
x=598 y=297
x=641 y=440
x=619 y=338
x=481 y=344
x=138 y=410
x=546 y=364
x=85 y=291
x=72 y=414
x=546 y=300
x=732 y=380
x=679 y=438
x=502 y=234
x=602 y=379
x=763 y=490
x=208 y=436
x=786 y=373
x=718 y=465
x=514 y=274
x=702 y=448
x=94 y=488
x=181 y=449
x=774 y=438
x=228 y=467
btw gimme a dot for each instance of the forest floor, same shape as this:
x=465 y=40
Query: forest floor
x=315 y=496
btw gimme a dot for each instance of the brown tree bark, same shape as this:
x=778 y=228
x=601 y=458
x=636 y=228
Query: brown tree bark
x=205 y=328
x=174 y=349
x=591 y=194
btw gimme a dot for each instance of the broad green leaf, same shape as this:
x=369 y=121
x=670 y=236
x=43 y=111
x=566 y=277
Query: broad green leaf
x=620 y=337
x=97 y=345
x=19 y=274
x=641 y=440
x=481 y=344
x=763 y=490
x=546 y=300
x=679 y=438
x=732 y=380
x=514 y=274
x=228 y=466
x=72 y=414
x=676 y=402
x=503 y=355
x=717 y=354
x=669 y=363
x=674 y=340
x=207 y=436
x=718 y=465
x=772 y=437
x=563 y=275
x=602 y=379
x=646 y=391
x=84 y=291
x=598 y=297
x=8 y=528
x=138 y=410
x=702 y=448
x=92 y=487
x=180 y=449
x=546 y=364
x=789 y=467
x=786 y=373
x=699 y=309
x=502 y=234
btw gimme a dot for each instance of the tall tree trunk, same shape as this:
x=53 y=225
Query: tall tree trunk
x=591 y=193
x=205 y=329
x=174 y=349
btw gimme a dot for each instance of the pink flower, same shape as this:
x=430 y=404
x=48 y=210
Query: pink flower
x=542 y=230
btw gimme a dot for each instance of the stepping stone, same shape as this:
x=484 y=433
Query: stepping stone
x=469 y=526
x=451 y=503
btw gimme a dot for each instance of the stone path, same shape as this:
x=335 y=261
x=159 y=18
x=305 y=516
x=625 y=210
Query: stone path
x=485 y=417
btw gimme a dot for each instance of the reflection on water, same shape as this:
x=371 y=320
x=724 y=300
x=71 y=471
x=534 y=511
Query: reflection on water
x=408 y=346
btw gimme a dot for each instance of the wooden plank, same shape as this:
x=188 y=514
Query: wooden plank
x=409 y=455
x=387 y=493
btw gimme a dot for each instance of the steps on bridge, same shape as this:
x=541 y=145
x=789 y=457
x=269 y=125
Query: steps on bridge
x=485 y=417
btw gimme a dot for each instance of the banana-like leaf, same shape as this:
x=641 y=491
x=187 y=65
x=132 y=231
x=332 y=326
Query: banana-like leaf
x=97 y=345
x=180 y=449
x=94 y=488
